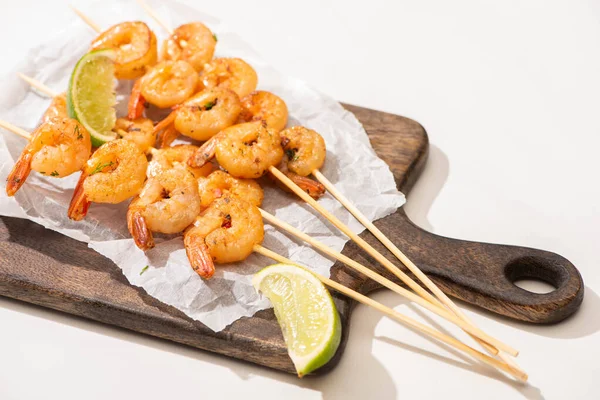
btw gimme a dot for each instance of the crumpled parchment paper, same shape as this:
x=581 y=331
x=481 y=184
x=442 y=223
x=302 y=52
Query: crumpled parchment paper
x=351 y=165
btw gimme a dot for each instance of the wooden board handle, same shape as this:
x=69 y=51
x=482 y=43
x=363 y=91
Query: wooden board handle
x=483 y=274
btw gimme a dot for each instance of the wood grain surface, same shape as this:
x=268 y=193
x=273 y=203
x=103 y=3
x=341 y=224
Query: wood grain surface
x=36 y=267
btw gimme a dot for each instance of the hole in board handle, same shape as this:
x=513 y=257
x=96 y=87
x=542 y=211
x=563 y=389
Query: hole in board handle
x=535 y=274
x=534 y=286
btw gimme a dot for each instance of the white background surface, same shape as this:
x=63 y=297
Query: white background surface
x=509 y=93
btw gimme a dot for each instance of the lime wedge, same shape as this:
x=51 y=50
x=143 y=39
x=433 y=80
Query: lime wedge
x=91 y=96
x=306 y=313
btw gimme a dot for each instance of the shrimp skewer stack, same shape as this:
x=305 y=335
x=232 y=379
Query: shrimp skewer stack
x=215 y=186
x=214 y=238
x=296 y=167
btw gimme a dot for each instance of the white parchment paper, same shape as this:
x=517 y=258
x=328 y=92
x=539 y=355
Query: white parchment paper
x=351 y=165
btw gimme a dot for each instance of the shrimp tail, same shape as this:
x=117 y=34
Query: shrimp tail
x=205 y=153
x=199 y=256
x=313 y=188
x=137 y=103
x=165 y=123
x=19 y=173
x=142 y=236
x=79 y=203
x=168 y=136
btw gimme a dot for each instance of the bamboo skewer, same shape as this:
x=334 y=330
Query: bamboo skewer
x=392 y=248
x=442 y=312
x=155 y=17
x=400 y=317
x=87 y=20
x=15 y=129
x=363 y=244
x=403 y=258
x=38 y=85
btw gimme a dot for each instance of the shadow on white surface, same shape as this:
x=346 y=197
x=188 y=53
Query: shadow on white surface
x=427 y=188
x=526 y=389
x=583 y=323
x=361 y=364
x=359 y=375
x=358 y=361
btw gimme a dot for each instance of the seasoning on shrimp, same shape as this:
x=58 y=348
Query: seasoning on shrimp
x=192 y=42
x=135 y=47
x=115 y=172
x=230 y=73
x=304 y=152
x=305 y=149
x=168 y=83
x=57 y=148
x=168 y=203
x=219 y=184
x=264 y=106
x=169 y=157
x=244 y=150
x=207 y=113
x=225 y=232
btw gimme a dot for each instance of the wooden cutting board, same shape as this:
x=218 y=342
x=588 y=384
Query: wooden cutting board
x=43 y=267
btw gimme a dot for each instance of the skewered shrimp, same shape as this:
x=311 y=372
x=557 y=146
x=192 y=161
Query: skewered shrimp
x=169 y=157
x=201 y=117
x=244 y=150
x=223 y=233
x=139 y=131
x=192 y=42
x=135 y=46
x=168 y=83
x=304 y=152
x=264 y=106
x=57 y=108
x=168 y=203
x=230 y=73
x=207 y=113
x=114 y=173
x=58 y=148
x=305 y=149
x=220 y=183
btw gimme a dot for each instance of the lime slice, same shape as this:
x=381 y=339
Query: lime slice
x=91 y=96
x=306 y=313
